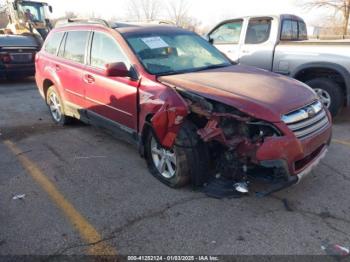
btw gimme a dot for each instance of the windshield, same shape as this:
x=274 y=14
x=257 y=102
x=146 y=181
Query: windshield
x=31 y=11
x=174 y=53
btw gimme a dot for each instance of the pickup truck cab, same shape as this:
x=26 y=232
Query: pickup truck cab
x=280 y=44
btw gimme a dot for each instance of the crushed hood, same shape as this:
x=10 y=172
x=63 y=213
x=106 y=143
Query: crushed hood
x=256 y=92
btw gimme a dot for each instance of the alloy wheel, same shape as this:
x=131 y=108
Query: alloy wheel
x=324 y=97
x=164 y=160
x=55 y=107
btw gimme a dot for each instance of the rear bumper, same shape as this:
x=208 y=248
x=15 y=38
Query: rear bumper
x=17 y=69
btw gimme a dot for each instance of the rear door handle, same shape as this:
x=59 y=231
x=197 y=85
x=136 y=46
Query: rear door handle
x=57 y=68
x=89 y=79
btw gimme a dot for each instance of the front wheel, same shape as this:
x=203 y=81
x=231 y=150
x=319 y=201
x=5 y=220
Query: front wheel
x=186 y=161
x=329 y=92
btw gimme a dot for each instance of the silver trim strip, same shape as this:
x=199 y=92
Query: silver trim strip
x=316 y=161
x=302 y=113
x=111 y=107
x=312 y=129
x=74 y=93
x=308 y=122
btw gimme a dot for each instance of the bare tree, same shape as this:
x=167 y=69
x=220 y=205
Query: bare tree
x=144 y=9
x=178 y=13
x=339 y=6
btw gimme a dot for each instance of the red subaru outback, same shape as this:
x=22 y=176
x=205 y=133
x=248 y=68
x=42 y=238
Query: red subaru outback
x=193 y=113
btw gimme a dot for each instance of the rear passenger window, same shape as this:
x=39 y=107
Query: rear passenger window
x=258 y=31
x=53 y=43
x=289 y=30
x=75 y=46
x=302 y=31
x=105 y=50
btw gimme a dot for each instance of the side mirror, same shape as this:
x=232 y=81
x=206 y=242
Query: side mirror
x=117 y=70
x=50 y=8
x=209 y=39
x=15 y=6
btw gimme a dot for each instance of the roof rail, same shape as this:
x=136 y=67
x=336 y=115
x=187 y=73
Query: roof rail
x=74 y=21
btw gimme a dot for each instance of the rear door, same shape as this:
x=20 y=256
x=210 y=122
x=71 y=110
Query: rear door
x=70 y=67
x=258 y=47
x=113 y=99
x=226 y=37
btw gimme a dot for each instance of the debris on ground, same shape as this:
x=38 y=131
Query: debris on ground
x=225 y=188
x=336 y=250
x=19 y=197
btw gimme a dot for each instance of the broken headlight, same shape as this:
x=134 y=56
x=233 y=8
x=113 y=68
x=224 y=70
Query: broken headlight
x=260 y=129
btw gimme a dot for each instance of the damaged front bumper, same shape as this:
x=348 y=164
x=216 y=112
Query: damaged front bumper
x=292 y=180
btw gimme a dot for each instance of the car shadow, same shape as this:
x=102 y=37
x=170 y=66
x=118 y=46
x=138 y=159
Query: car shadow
x=20 y=80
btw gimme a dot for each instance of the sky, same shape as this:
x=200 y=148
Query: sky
x=208 y=12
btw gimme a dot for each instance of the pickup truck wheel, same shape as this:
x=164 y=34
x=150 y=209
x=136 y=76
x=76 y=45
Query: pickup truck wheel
x=330 y=94
x=56 y=108
x=177 y=166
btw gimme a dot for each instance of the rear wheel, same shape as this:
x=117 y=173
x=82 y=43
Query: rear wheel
x=186 y=161
x=56 y=108
x=329 y=92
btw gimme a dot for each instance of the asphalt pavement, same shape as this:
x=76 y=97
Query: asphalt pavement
x=87 y=192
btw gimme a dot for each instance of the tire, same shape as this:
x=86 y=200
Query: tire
x=56 y=108
x=329 y=91
x=190 y=154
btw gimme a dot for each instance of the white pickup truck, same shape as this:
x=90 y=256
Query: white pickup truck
x=280 y=44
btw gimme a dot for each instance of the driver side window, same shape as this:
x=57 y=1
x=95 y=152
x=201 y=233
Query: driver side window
x=105 y=50
x=228 y=33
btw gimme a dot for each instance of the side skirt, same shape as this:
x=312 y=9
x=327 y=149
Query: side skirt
x=115 y=129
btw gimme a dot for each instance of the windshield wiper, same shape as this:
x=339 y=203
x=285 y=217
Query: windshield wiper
x=192 y=70
x=211 y=67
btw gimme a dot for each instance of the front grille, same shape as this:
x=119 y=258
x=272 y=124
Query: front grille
x=307 y=120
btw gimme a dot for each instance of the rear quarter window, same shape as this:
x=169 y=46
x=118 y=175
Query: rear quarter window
x=53 y=43
x=293 y=30
x=289 y=30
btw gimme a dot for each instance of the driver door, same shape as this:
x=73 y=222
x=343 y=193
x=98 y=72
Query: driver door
x=110 y=99
x=226 y=37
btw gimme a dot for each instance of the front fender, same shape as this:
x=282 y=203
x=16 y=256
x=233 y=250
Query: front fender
x=166 y=123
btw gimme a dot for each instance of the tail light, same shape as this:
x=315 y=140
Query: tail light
x=5 y=58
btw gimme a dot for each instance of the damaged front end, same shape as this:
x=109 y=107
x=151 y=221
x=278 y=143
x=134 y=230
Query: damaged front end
x=233 y=139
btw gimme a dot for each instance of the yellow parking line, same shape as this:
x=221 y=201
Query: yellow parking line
x=342 y=142
x=87 y=232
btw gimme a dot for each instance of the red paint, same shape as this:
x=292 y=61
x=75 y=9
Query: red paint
x=259 y=94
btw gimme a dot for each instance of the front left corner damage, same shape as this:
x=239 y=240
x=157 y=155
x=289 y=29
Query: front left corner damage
x=167 y=122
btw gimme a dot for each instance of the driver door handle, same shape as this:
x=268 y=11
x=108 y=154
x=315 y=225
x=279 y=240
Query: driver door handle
x=89 y=79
